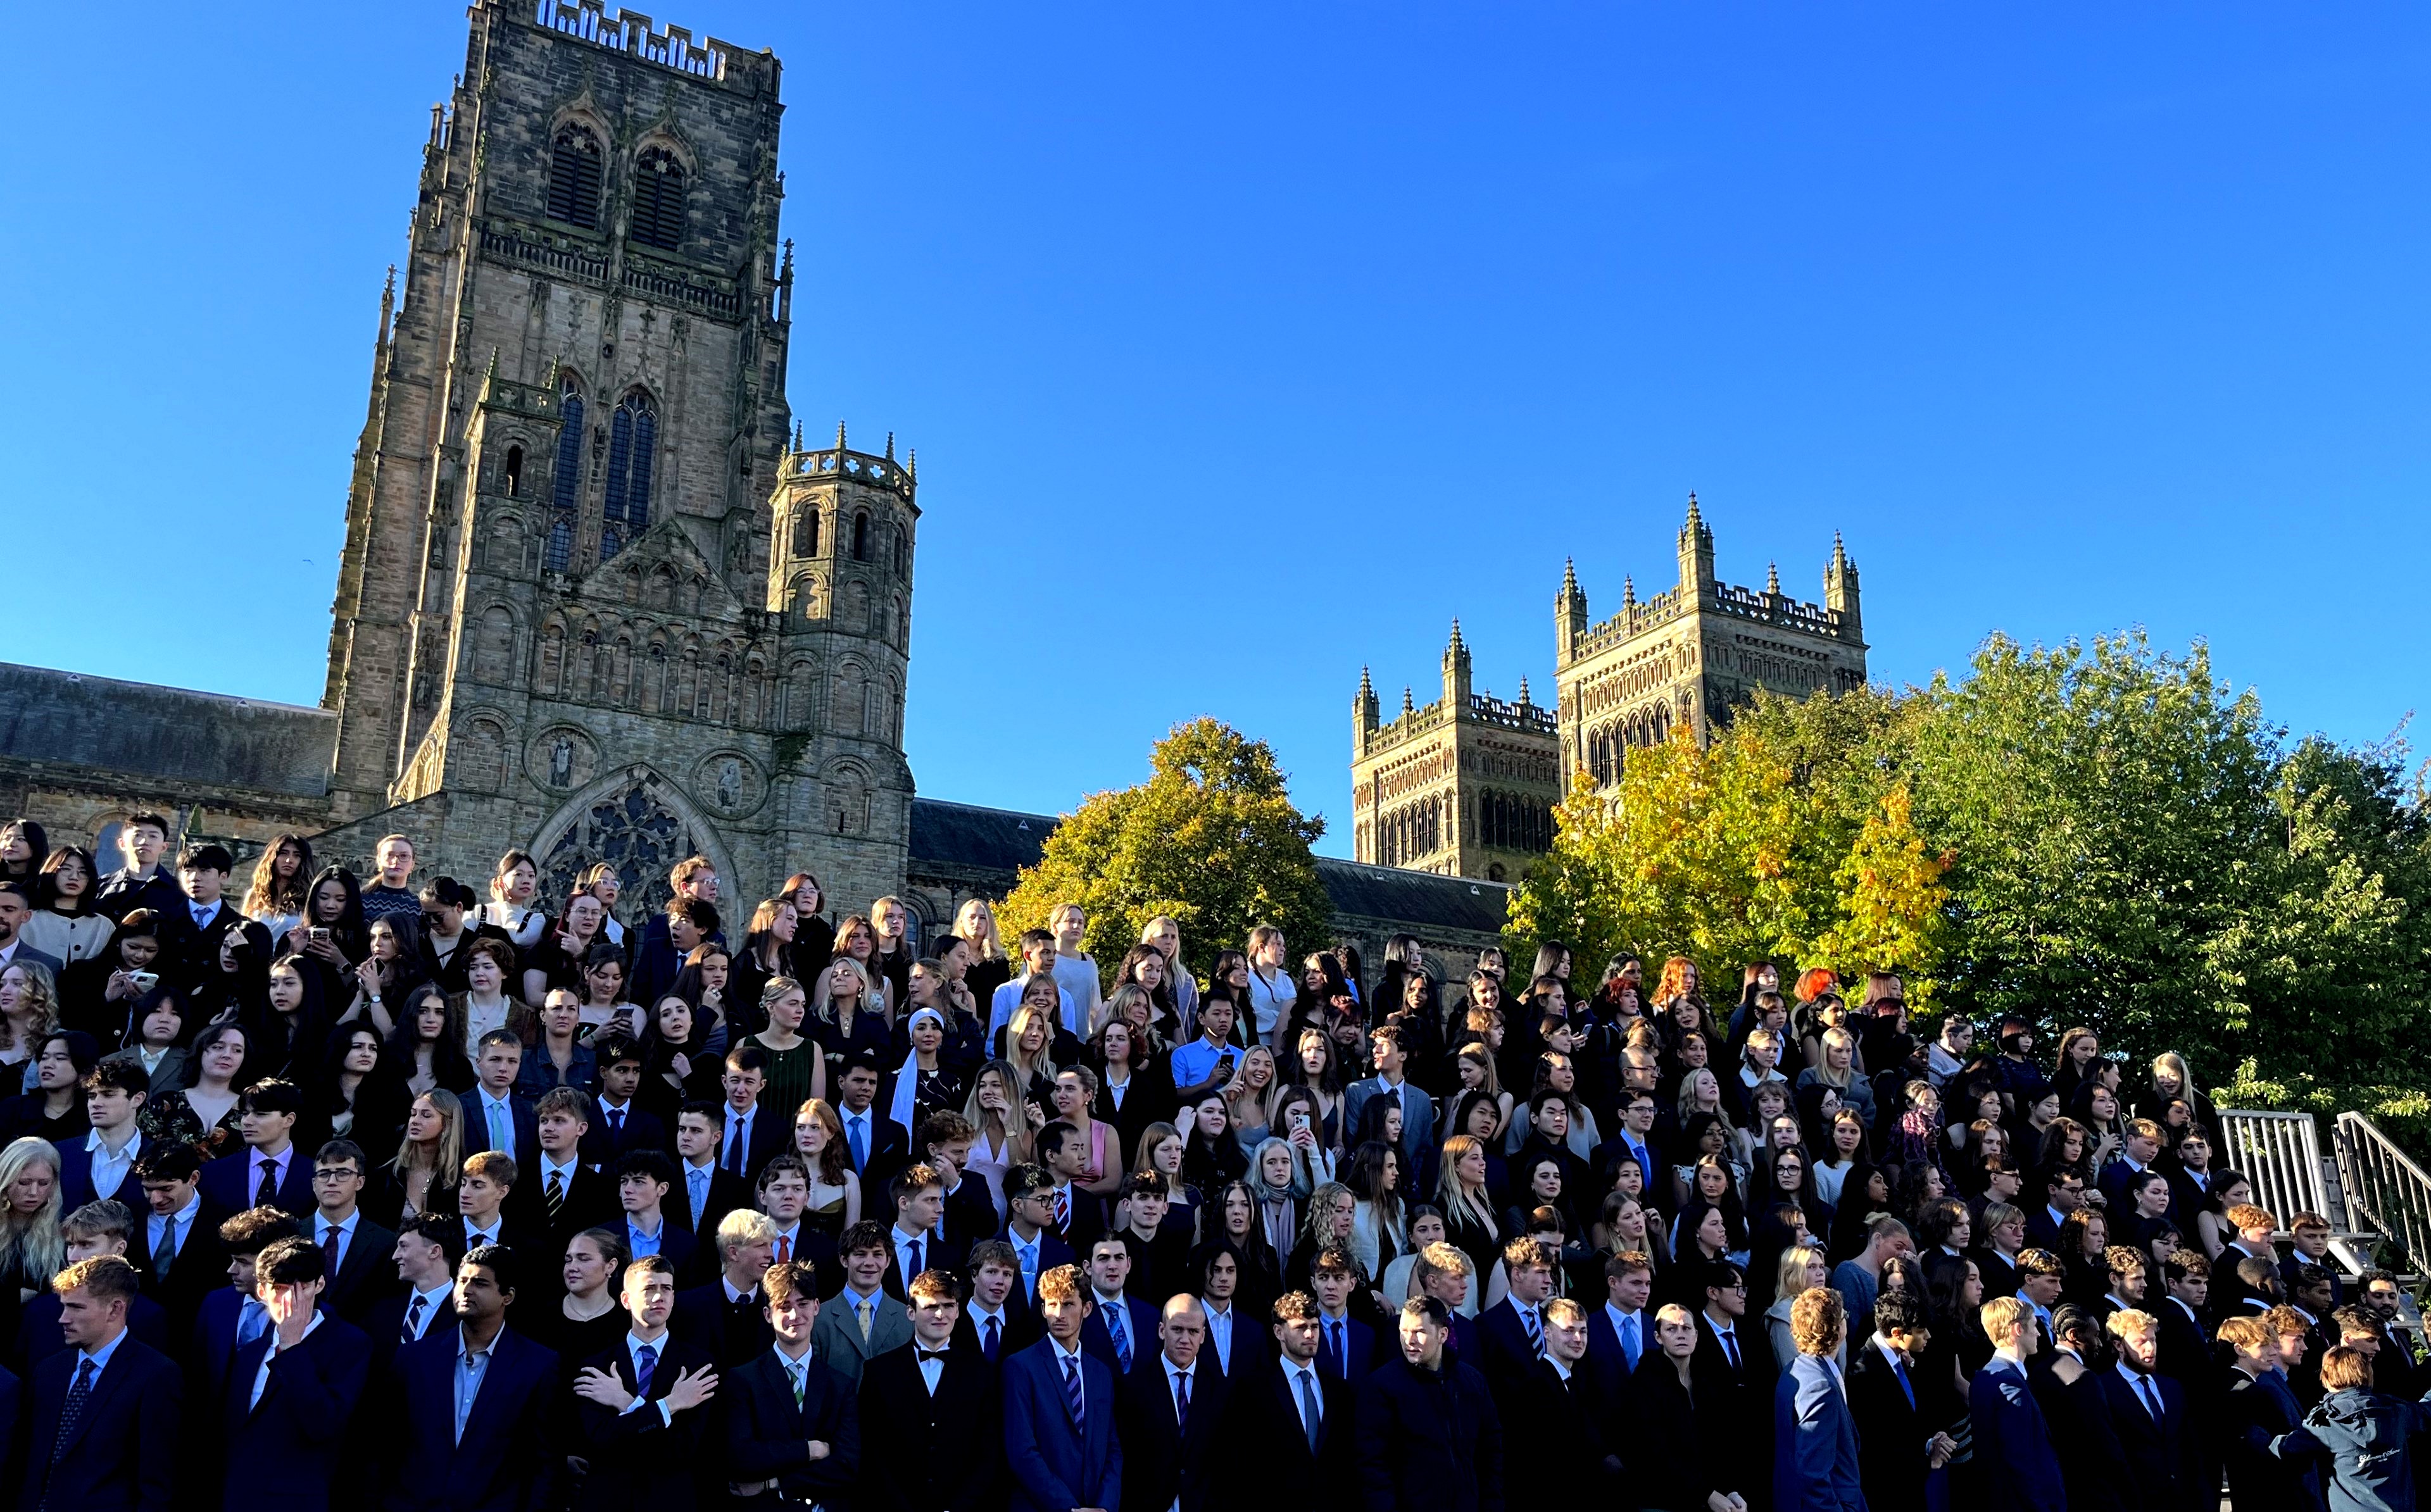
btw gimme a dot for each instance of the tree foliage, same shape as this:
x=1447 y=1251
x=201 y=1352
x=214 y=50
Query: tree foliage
x=1211 y=838
x=1781 y=840
x=2098 y=834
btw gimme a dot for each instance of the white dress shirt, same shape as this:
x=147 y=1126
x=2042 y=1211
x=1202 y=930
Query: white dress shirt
x=262 y=1376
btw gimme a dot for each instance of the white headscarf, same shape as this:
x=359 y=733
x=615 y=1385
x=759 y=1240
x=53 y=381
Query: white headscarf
x=907 y=1081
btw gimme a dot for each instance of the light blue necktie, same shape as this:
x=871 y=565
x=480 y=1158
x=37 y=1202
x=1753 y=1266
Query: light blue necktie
x=501 y=1140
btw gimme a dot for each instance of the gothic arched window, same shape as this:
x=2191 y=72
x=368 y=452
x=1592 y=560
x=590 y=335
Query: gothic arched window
x=658 y=200
x=861 y=537
x=633 y=443
x=806 y=532
x=565 y=478
x=574 y=177
x=514 y=471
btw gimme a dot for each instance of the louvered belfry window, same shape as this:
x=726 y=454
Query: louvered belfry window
x=632 y=442
x=574 y=177
x=658 y=200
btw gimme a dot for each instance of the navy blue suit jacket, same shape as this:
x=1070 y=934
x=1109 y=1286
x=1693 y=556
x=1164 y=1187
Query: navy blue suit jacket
x=284 y=1451
x=476 y=1132
x=1056 y=1465
x=2013 y=1443
x=39 y=1336
x=1507 y=1352
x=122 y=1456
x=1359 y=1346
x=1606 y=1361
x=75 y=1181
x=230 y=1181
x=502 y=1459
x=1815 y=1463
x=1098 y=1342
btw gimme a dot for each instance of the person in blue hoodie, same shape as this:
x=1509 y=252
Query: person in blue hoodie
x=2361 y=1434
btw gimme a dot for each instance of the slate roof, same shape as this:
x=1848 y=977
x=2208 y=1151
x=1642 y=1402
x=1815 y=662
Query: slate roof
x=966 y=837
x=176 y=734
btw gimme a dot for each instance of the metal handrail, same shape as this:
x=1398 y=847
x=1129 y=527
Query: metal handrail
x=2384 y=1186
x=2281 y=1154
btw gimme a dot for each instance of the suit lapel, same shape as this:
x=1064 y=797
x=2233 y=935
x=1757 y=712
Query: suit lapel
x=105 y=1386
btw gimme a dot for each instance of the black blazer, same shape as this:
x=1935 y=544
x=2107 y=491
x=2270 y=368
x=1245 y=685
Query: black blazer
x=2141 y=1454
x=1429 y=1441
x=122 y=1456
x=1890 y=1433
x=284 y=1451
x=1571 y=1458
x=733 y=1332
x=1260 y=1410
x=502 y=1462
x=932 y=1453
x=603 y=1145
x=1021 y=1328
x=1168 y=1459
x=1677 y=1449
x=640 y=1463
x=367 y=1273
x=200 y=1269
x=768 y=1438
x=590 y=1202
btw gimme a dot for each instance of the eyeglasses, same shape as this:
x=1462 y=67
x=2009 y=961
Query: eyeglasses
x=333 y=1172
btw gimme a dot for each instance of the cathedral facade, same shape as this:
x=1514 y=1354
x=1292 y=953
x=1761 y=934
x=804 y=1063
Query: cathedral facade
x=599 y=601
x=1466 y=786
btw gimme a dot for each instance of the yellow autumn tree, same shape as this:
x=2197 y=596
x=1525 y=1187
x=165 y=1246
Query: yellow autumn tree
x=1781 y=840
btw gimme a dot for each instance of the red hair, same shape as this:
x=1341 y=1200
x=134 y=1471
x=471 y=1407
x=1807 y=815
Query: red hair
x=1814 y=982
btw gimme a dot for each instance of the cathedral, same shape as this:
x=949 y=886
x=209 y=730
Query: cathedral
x=1466 y=786
x=598 y=600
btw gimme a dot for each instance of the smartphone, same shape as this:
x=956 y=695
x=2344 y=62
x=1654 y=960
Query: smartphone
x=144 y=981
x=317 y=934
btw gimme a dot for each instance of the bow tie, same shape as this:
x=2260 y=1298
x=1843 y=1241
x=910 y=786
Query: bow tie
x=922 y=1356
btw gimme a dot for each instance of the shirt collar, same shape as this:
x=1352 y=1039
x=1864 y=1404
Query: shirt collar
x=1067 y=1352
x=566 y=1168
x=100 y=1358
x=310 y=1323
x=464 y=1348
x=1889 y=1349
x=345 y=1226
x=734 y=1296
x=635 y=1343
x=92 y=1144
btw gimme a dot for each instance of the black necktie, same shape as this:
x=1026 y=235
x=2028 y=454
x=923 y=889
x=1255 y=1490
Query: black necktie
x=266 y=1194
x=988 y=1341
x=1731 y=1348
x=164 y=1254
x=1182 y=1403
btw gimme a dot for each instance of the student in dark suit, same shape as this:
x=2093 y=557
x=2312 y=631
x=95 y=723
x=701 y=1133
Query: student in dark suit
x=792 y=1425
x=1429 y=1439
x=727 y=1317
x=1170 y=1409
x=1237 y=1342
x=645 y=1179
x=749 y=1135
x=1030 y=1227
x=92 y=1231
x=1060 y=1441
x=177 y=1247
x=1120 y=1332
x=1513 y=1330
x=642 y=1459
x=1075 y=1217
x=114 y=1091
x=1734 y=1368
x=998 y=1321
x=1346 y=1349
x=270 y=1172
x=424 y=1260
x=495 y=1456
x=1815 y=1435
x=1442 y=1271
x=232 y=1317
x=358 y=1255
x=704 y=1190
x=933 y=1447
x=1269 y=1406
x=495 y=1117
x=1573 y=1460
x=2019 y=1471
x=2138 y=1432
x=874 y=1145
x=561 y=1192
x=291 y=1392
x=621 y=1125
x=117 y=1451
x=2255 y=1409
x=1894 y=1447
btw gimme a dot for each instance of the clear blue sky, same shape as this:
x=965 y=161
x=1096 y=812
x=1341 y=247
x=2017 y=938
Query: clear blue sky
x=1245 y=345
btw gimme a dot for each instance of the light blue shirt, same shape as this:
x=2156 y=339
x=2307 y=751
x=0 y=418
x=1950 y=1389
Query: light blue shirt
x=182 y=1220
x=471 y=1367
x=100 y=1358
x=637 y=1243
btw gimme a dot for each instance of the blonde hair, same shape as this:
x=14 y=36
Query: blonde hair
x=1023 y=1017
x=1816 y=1321
x=450 y=1158
x=865 y=1001
x=2245 y=1333
x=42 y=991
x=2000 y=1317
x=1789 y=1276
x=990 y=940
x=2129 y=1323
x=31 y=1243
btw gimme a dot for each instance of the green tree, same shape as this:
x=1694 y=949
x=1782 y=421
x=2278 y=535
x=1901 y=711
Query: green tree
x=1784 y=838
x=1211 y=838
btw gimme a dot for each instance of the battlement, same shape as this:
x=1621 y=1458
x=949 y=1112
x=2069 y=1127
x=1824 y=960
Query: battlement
x=1527 y=717
x=1778 y=610
x=837 y=463
x=629 y=32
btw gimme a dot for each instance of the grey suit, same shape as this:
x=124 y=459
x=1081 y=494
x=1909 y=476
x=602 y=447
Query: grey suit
x=836 y=1336
x=175 y=1073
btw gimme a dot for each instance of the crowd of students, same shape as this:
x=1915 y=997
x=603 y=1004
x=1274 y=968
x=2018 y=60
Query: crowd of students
x=339 y=1190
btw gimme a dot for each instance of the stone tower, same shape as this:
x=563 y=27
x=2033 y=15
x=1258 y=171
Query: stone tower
x=1464 y=787
x=1684 y=657
x=565 y=620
